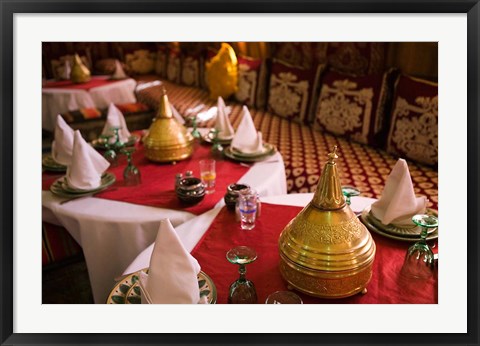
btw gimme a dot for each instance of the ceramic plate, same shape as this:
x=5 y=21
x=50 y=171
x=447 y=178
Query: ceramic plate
x=58 y=187
x=232 y=155
x=49 y=164
x=127 y=291
x=207 y=139
x=267 y=148
x=99 y=143
x=367 y=221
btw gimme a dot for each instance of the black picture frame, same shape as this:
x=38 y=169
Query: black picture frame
x=7 y=177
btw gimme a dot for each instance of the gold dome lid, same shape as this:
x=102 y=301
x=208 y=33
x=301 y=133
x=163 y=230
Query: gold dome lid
x=167 y=139
x=326 y=243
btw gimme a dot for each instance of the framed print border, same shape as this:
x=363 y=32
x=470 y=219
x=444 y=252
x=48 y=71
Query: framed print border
x=7 y=177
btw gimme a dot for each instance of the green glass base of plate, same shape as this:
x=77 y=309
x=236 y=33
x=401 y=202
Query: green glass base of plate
x=411 y=234
x=61 y=189
x=236 y=156
x=127 y=291
x=100 y=143
x=49 y=164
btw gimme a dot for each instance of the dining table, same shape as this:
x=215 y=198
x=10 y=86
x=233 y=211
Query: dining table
x=116 y=225
x=208 y=238
x=59 y=97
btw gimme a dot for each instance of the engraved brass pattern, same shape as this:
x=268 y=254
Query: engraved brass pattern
x=344 y=232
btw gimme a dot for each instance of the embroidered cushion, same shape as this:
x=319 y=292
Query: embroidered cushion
x=291 y=89
x=359 y=58
x=141 y=61
x=107 y=66
x=414 y=124
x=191 y=70
x=295 y=53
x=173 y=66
x=161 y=61
x=252 y=80
x=353 y=107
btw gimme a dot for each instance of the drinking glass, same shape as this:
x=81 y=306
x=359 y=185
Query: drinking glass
x=350 y=191
x=110 y=155
x=242 y=291
x=118 y=144
x=131 y=174
x=217 y=148
x=419 y=260
x=247 y=207
x=283 y=297
x=208 y=175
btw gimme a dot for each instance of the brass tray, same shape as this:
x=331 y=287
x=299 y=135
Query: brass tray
x=127 y=291
x=59 y=187
x=49 y=164
x=411 y=234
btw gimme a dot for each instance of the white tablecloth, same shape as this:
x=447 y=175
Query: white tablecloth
x=192 y=231
x=113 y=233
x=60 y=100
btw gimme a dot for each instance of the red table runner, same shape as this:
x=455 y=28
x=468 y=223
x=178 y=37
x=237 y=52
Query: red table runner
x=158 y=181
x=66 y=84
x=386 y=286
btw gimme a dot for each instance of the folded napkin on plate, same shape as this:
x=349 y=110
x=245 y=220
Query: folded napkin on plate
x=222 y=123
x=63 y=143
x=177 y=115
x=172 y=275
x=87 y=165
x=247 y=140
x=398 y=203
x=119 y=73
x=115 y=119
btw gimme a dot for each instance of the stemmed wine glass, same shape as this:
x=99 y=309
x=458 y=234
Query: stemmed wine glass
x=350 y=191
x=118 y=144
x=110 y=155
x=242 y=291
x=131 y=174
x=419 y=261
x=195 y=133
x=217 y=148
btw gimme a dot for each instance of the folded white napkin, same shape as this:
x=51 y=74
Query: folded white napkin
x=398 y=203
x=247 y=140
x=119 y=73
x=177 y=115
x=65 y=70
x=172 y=275
x=115 y=119
x=87 y=165
x=222 y=123
x=62 y=145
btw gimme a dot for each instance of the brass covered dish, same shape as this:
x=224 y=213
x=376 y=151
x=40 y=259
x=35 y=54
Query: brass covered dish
x=167 y=139
x=325 y=251
x=80 y=73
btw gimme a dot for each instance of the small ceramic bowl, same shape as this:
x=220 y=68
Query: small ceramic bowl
x=190 y=190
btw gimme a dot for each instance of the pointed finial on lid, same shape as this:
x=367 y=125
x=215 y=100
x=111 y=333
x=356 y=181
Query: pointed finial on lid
x=164 y=109
x=333 y=155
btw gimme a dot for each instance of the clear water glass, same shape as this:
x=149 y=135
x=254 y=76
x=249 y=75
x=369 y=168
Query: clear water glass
x=247 y=207
x=110 y=155
x=350 y=191
x=195 y=133
x=131 y=174
x=208 y=175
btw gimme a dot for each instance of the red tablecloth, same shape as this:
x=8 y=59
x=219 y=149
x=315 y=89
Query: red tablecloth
x=66 y=84
x=386 y=286
x=158 y=181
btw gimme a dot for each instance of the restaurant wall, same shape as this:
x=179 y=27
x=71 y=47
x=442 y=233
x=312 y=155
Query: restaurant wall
x=418 y=59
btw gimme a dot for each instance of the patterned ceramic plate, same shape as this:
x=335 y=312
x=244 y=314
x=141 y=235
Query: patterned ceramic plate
x=99 y=143
x=127 y=291
x=58 y=187
x=233 y=155
x=49 y=164
x=366 y=219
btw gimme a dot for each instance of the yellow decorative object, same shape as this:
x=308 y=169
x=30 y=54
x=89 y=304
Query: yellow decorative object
x=80 y=73
x=221 y=73
x=325 y=251
x=167 y=139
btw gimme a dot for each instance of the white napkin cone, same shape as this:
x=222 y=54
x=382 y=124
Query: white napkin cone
x=119 y=73
x=398 y=202
x=177 y=115
x=87 y=165
x=62 y=145
x=222 y=123
x=172 y=275
x=247 y=140
x=66 y=70
x=115 y=118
